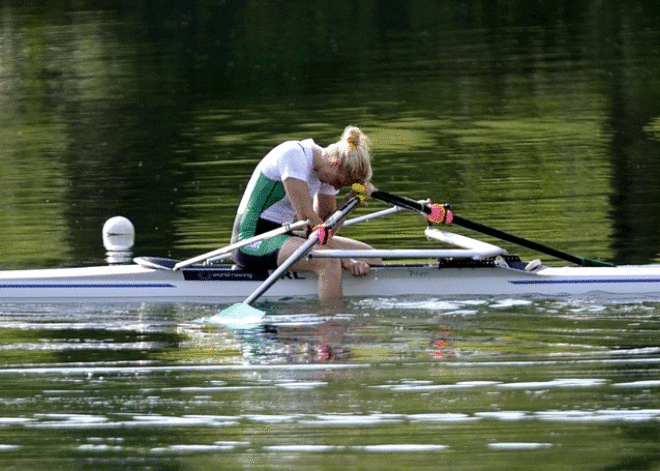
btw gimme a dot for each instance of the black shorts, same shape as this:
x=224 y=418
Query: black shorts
x=262 y=255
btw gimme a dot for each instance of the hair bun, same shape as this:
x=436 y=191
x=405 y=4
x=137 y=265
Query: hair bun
x=353 y=152
x=352 y=135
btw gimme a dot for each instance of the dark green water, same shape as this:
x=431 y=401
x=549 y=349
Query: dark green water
x=472 y=384
x=538 y=118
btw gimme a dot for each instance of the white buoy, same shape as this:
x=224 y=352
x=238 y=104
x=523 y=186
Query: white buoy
x=118 y=239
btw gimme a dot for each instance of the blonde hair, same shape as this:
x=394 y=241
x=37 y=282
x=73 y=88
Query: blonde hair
x=353 y=152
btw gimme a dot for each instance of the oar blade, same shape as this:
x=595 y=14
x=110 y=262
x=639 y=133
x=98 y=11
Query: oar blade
x=237 y=316
x=589 y=262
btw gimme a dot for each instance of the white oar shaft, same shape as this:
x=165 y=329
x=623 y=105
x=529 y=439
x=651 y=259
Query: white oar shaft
x=377 y=214
x=408 y=253
x=369 y=217
x=277 y=274
x=237 y=245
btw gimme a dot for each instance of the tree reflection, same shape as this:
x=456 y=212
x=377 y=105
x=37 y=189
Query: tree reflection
x=158 y=110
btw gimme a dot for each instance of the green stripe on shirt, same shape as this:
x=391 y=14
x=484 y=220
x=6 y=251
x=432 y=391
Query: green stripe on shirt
x=266 y=193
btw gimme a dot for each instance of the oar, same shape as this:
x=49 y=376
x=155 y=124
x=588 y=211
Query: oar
x=244 y=310
x=237 y=245
x=478 y=227
x=377 y=214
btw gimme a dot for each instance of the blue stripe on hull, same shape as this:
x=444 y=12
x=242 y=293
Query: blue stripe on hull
x=581 y=282
x=111 y=285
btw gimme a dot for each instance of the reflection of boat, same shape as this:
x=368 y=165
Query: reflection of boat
x=475 y=269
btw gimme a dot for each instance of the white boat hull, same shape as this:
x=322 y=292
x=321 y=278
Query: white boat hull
x=137 y=283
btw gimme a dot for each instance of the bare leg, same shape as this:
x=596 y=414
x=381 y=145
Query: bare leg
x=344 y=243
x=327 y=269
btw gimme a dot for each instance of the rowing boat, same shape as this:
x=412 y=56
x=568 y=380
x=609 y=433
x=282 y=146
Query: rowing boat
x=475 y=268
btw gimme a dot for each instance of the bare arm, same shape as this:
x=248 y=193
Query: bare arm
x=298 y=193
x=325 y=205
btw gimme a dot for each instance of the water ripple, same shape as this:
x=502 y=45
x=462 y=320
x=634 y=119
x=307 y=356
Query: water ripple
x=341 y=420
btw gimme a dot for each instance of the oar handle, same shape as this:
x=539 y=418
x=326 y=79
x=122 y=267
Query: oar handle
x=478 y=227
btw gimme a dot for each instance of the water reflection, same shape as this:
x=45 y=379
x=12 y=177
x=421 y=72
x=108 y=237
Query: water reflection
x=560 y=377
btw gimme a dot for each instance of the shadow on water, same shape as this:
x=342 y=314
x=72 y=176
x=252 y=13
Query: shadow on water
x=650 y=457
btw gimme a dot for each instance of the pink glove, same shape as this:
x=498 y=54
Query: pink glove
x=440 y=214
x=323 y=233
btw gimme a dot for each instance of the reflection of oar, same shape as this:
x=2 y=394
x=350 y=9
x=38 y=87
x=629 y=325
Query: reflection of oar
x=244 y=310
x=237 y=245
x=478 y=227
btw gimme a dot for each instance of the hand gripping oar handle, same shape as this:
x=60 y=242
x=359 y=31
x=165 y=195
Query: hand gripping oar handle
x=478 y=227
x=332 y=221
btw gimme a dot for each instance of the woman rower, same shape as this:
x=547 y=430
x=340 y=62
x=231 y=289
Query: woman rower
x=300 y=179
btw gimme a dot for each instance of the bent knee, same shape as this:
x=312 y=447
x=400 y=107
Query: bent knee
x=323 y=267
